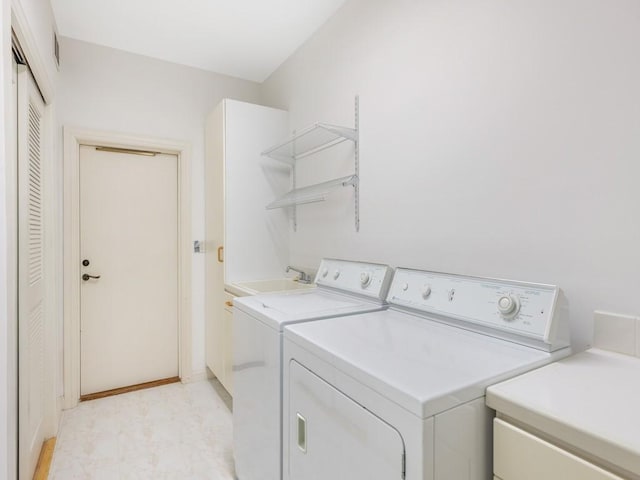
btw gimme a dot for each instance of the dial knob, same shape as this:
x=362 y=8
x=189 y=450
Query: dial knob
x=325 y=272
x=365 y=279
x=336 y=274
x=405 y=287
x=426 y=291
x=509 y=305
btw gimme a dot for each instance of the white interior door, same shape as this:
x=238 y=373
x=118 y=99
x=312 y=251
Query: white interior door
x=129 y=239
x=31 y=305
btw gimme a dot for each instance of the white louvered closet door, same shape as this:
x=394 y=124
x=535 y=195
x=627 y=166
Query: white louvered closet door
x=31 y=341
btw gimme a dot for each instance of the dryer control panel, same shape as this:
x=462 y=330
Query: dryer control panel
x=526 y=312
x=369 y=279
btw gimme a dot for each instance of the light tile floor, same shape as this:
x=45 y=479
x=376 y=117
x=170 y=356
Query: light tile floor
x=172 y=432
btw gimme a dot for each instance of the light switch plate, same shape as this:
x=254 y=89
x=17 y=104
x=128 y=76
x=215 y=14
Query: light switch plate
x=615 y=332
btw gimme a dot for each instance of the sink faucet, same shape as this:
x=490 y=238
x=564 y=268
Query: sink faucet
x=303 y=277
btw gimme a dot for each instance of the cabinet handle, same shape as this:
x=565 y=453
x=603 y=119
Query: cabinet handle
x=229 y=303
x=220 y=254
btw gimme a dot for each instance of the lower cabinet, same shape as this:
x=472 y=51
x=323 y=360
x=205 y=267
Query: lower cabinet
x=226 y=345
x=219 y=342
x=519 y=455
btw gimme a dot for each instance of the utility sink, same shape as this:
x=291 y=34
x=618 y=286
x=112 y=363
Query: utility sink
x=275 y=285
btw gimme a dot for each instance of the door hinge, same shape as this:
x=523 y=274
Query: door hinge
x=404 y=465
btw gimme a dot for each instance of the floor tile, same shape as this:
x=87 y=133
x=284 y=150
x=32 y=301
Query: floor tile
x=171 y=432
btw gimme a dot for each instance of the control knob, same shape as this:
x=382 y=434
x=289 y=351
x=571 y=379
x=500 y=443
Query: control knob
x=365 y=279
x=336 y=274
x=426 y=291
x=324 y=272
x=509 y=305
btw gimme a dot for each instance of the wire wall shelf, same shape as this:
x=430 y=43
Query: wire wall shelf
x=313 y=193
x=311 y=140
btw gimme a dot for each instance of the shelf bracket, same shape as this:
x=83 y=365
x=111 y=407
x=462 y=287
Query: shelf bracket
x=294 y=213
x=357 y=164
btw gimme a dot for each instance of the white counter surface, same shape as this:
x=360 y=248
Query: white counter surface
x=590 y=401
x=244 y=289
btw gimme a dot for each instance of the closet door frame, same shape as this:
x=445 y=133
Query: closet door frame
x=22 y=38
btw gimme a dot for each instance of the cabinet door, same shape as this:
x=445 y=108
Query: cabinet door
x=518 y=455
x=333 y=437
x=226 y=344
x=215 y=343
x=214 y=232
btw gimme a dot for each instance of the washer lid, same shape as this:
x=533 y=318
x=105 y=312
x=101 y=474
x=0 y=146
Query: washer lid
x=277 y=310
x=424 y=366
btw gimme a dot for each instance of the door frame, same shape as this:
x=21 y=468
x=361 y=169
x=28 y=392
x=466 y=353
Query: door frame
x=73 y=138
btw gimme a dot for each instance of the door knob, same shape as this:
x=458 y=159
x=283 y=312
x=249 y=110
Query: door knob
x=86 y=277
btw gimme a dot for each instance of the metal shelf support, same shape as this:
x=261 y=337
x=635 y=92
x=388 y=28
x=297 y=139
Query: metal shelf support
x=357 y=164
x=311 y=140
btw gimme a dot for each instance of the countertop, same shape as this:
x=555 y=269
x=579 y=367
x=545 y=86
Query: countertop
x=590 y=401
x=236 y=290
x=246 y=288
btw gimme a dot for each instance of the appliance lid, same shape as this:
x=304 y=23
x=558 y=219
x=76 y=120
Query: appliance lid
x=422 y=365
x=277 y=310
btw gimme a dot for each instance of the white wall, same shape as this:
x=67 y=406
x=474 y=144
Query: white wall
x=498 y=138
x=106 y=89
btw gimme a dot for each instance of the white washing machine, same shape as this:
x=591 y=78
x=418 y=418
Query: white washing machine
x=343 y=288
x=400 y=393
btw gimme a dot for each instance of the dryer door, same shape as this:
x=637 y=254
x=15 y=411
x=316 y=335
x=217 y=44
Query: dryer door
x=333 y=437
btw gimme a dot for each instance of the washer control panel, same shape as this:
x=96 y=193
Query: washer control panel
x=519 y=308
x=370 y=279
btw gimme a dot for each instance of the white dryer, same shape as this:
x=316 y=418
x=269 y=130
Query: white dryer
x=343 y=288
x=400 y=393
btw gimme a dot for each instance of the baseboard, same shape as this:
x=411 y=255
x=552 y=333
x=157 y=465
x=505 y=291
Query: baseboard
x=59 y=409
x=198 y=376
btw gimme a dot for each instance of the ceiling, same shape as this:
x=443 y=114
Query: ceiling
x=243 y=38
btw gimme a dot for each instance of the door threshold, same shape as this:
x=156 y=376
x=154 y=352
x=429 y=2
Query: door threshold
x=131 y=388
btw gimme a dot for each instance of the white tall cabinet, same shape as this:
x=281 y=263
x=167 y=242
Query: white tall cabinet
x=244 y=241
